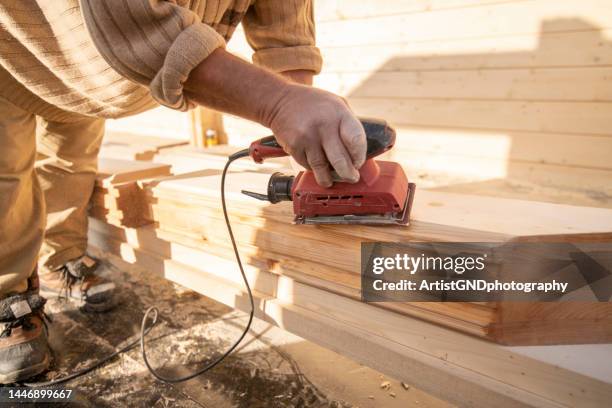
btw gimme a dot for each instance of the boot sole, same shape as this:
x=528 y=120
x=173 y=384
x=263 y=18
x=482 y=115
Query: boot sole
x=25 y=373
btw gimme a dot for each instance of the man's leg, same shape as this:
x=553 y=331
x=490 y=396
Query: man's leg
x=23 y=339
x=67 y=174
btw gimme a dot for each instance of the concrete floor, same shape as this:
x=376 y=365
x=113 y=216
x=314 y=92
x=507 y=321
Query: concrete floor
x=272 y=368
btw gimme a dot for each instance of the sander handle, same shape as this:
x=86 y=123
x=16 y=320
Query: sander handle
x=265 y=148
x=380 y=137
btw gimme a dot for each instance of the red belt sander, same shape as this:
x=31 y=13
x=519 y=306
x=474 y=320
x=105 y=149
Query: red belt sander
x=383 y=194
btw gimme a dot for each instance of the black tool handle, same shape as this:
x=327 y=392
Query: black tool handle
x=380 y=137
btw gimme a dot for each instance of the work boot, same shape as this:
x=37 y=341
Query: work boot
x=79 y=281
x=24 y=350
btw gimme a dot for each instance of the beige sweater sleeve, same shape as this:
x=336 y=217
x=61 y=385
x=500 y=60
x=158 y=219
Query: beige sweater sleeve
x=153 y=42
x=282 y=33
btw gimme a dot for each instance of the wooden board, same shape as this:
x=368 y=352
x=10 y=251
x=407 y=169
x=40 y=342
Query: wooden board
x=121 y=198
x=187 y=208
x=484 y=217
x=193 y=251
x=463 y=369
x=116 y=171
x=557 y=117
x=130 y=146
x=333 y=10
x=305 y=280
x=586 y=84
x=487 y=20
x=589 y=46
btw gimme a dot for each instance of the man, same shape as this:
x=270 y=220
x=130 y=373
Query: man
x=71 y=64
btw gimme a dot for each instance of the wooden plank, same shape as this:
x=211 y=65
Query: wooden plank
x=474 y=369
x=590 y=84
x=117 y=192
x=554 y=117
x=189 y=205
x=382 y=354
x=531 y=323
x=332 y=10
x=131 y=146
x=446 y=210
x=436 y=217
x=590 y=47
x=595 y=182
x=541 y=148
x=193 y=252
x=493 y=20
x=122 y=204
x=469 y=213
x=434 y=220
x=268 y=232
x=116 y=171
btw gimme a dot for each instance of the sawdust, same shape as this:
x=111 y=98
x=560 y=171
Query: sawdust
x=192 y=330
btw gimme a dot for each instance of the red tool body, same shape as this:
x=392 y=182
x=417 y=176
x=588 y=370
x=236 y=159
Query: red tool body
x=382 y=195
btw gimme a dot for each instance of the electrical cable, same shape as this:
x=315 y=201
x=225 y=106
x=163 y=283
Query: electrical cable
x=144 y=329
x=212 y=364
x=90 y=368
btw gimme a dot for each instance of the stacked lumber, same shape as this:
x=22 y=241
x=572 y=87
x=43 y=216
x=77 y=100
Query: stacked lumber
x=186 y=210
x=306 y=280
x=118 y=198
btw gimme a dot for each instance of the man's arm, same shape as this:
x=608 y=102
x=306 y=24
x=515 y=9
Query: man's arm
x=153 y=43
x=316 y=127
x=282 y=34
x=182 y=54
x=300 y=76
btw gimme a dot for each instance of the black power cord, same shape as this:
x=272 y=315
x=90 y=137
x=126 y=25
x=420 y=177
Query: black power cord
x=90 y=368
x=144 y=329
x=212 y=364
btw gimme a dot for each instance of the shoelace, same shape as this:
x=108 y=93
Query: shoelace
x=145 y=329
x=69 y=280
x=25 y=322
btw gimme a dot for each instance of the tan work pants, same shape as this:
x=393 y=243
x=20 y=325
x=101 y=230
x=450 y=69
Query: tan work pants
x=63 y=178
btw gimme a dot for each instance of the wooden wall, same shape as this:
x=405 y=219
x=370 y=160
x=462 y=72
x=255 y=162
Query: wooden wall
x=482 y=89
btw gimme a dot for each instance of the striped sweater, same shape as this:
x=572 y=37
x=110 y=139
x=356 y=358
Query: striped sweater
x=115 y=58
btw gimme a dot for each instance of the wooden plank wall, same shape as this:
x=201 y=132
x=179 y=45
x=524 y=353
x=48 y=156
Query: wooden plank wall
x=517 y=89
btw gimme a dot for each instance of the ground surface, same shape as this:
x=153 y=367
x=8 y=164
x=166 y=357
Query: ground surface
x=272 y=368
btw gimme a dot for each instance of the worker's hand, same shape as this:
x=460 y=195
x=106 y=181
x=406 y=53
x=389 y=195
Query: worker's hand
x=318 y=129
x=314 y=126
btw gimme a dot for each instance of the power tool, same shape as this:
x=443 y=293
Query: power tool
x=382 y=195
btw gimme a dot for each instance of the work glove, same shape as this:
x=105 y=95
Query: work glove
x=319 y=130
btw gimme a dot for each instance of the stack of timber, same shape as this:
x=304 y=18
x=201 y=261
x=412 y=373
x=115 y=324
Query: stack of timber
x=187 y=213
x=118 y=196
x=306 y=280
